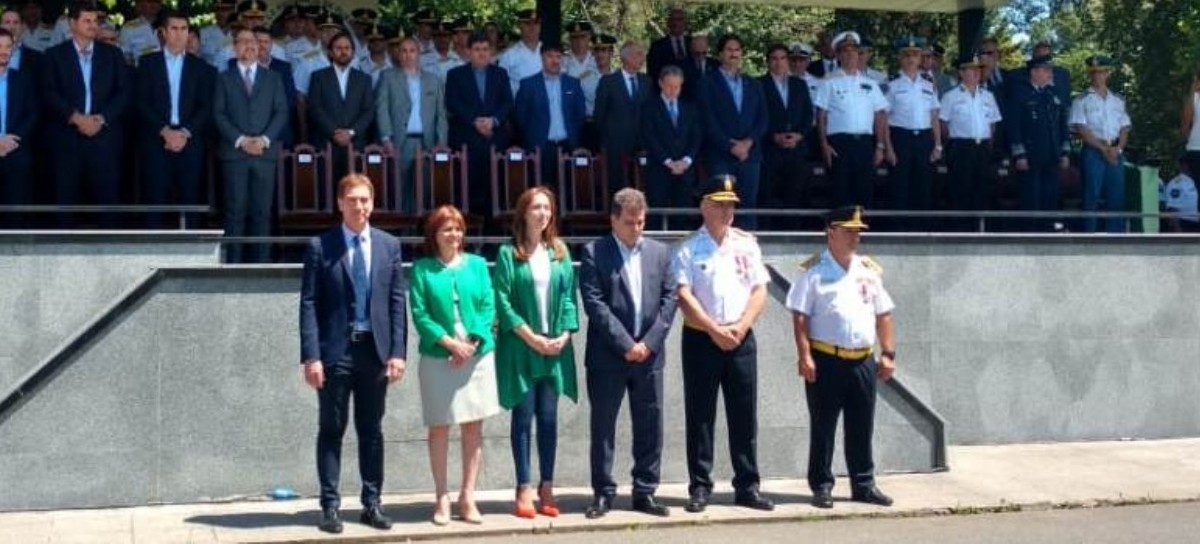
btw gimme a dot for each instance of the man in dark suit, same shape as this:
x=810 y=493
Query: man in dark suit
x=674 y=47
x=174 y=107
x=18 y=117
x=549 y=112
x=291 y=129
x=629 y=296
x=735 y=121
x=478 y=102
x=353 y=342
x=828 y=62
x=619 y=100
x=785 y=149
x=85 y=91
x=697 y=67
x=250 y=111
x=341 y=104
x=24 y=58
x=671 y=133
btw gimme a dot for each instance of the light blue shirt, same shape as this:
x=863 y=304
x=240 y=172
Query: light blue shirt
x=4 y=102
x=85 y=66
x=631 y=259
x=558 y=128
x=14 y=62
x=734 y=81
x=414 y=97
x=174 y=81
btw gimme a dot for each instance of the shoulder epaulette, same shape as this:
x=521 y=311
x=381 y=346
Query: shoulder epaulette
x=926 y=76
x=811 y=262
x=872 y=265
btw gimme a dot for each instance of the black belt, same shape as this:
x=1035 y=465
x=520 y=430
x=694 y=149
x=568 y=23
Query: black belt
x=914 y=132
x=360 y=336
x=854 y=137
x=415 y=135
x=971 y=141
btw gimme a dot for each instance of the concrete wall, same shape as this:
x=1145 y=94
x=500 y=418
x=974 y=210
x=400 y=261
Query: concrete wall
x=190 y=391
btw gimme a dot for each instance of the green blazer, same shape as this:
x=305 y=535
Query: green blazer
x=431 y=299
x=517 y=365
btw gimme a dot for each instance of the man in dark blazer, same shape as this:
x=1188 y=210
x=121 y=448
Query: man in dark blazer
x=827 y=62
x=735 y=122
x=478 y=102
x=619 y=99
x=174 y=106
x=341 y=104
x=18 y=117
x=629 y=295
x=250 y=111
x=698 y=65
x=291 y=129
x=672 y=49
x=84 y=122
x=671 y=133
x=24 y=58
x=353 y=342
x=549 y=112
x=789 y=120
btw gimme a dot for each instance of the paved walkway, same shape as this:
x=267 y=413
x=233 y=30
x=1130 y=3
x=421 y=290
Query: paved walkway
x=982 y=478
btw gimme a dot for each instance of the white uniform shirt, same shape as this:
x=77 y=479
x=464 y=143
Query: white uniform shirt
x=721 y=276
x=970 y=116
x=138 y=38
x=521 y=62
x=212 y=40
x=912 y=100
x=298 y=48
x=1104 y=117
x=851 y=102
x=587 y=73
x=304 y=67
x=441 y=66
x=1180 y=194
x=40 y=38
x=841 y=304
x=373 y=69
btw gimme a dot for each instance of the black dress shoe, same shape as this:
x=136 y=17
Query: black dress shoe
x=871 y=495
x=822 y=499
x=752 y=499
x=647 y=505
x=600 y=506
x=331 y=521
x=373 y=516
x=697 y=501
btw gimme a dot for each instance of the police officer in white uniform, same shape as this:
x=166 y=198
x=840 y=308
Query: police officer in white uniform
x=39 y=36
x=969 y=115
x=839 y=310
x=442 y=58
x=377 y=59
x=524 y=58
x=138 y=36
x=914 y=135
x=580 y=64
x=851 y=125
x=1098 y=116
x=216 y=37
x=722 y=290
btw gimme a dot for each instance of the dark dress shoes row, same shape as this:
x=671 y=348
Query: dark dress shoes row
x=372 y=516
x=646 y=504
x=822 y=498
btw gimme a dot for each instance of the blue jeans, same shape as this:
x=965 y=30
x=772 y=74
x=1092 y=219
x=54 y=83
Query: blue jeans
x=1100 y=177
x=541 y=400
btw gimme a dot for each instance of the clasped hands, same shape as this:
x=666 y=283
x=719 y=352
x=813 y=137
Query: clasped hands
x=173 y=140
x=254 y=145
x=549 y=347
x=87 y=125
x=728 y=337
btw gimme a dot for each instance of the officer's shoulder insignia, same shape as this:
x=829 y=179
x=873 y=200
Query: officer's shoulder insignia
x=926 y=76
x=872 y=265
x=312 y=53
x=811 y=262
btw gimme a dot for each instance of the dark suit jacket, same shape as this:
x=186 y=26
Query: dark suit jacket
x=609 y=304
x=723 y=122
x=329 y=111
x=263 y=113
x=532 y=110
x=665 y=140
x=327 y=298
x=284 y=69
x=463 y=105
x=797 y=116
x=31 y=61
x=817 y=67
x=63 y=94
x=154 y=96
x=662 y=54
x=617 y=114
x=692 y=76
x=22 y=107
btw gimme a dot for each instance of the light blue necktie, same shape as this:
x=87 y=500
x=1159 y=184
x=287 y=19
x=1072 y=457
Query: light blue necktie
x=362 y=285
x=674 y=111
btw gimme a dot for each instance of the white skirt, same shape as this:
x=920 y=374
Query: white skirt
x=452 y=395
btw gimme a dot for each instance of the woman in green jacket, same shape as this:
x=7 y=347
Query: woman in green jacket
x=453 y=309
x=535 y=362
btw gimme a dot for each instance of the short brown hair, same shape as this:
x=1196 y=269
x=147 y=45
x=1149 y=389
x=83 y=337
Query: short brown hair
x=435 y=220
x=549 y=236
x=355 y=180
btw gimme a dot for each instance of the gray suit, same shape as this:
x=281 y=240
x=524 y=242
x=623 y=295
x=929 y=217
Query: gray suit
x=605 y=285
x=393 y=106
x=249 y=180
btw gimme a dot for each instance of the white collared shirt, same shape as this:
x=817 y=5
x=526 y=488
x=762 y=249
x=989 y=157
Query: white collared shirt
x=521 y=62
x=970 y=115
x=1103 y=116
x=841 y=304
x=912 y=100
x=851 y=102
x=343 y=78
x=631 y=259
x=721 y=276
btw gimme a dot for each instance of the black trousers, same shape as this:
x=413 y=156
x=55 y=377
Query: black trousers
x=548 y=157
x=91 y=168
x=172 y=178
x=606 y=388
x=707 y=370
x=249 y=194
x=666 y=190
x=911 y=178
x=16 y=186
x=841 y=386
x=785 y=177
x=853 y=174
x=359 y=374
x=972 y=177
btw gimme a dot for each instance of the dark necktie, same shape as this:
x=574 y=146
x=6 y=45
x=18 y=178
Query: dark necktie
x=362 y=285
x=633 y=87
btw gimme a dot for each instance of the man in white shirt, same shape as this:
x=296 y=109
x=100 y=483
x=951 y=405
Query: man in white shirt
x=524 y=58
x=914 y=135
x=969 y=115
x=138 y=36
x=1098 y=116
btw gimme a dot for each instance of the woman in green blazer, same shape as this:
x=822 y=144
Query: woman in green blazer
x=453 y=309
x=535 y=362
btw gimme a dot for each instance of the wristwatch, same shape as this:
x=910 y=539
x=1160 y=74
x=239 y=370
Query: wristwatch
x=889 y=354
